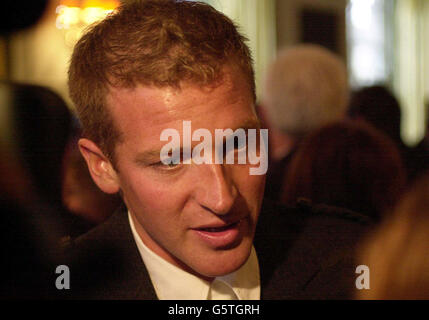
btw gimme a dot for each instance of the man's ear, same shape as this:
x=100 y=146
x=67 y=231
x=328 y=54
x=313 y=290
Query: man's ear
x=100 y=167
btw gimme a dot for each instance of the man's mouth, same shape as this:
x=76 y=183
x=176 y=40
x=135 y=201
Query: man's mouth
x=221 y=236
x=219 y=229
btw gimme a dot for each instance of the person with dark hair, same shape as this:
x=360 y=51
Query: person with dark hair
x=378 y=106
x=189 y=228
x=39 y=126
x=347 y=164
x=38 y=130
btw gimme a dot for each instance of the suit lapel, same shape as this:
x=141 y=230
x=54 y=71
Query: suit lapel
x=283 y=273
x=131 y=279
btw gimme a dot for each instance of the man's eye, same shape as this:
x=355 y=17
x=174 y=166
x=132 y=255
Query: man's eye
x=237 y=145
x=172 y=165
x=166 y=166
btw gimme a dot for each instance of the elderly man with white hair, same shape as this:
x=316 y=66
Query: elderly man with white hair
x=306 y=87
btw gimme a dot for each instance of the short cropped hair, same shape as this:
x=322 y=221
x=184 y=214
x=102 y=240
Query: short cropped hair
x=306 y=87
x=161 y=43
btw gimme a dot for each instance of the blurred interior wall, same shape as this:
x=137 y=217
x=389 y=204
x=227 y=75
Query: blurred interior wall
x=291 y=21
x=40 y=55
x=411 y=78
x=370 y=40
x=257 y=21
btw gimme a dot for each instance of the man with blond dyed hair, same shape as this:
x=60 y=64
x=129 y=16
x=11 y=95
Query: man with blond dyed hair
x=188 y=230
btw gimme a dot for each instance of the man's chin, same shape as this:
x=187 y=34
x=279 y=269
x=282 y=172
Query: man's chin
x=223 y=262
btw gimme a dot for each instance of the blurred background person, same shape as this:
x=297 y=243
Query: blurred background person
x=306 y=87
x=35 y=128
x=346 y=164
x=397 y=253
x=29 y=227
x=38 y=128
x=36 y=172
x=379 y=107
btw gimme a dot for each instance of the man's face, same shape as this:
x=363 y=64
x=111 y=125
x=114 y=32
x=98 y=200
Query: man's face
x=200 y=217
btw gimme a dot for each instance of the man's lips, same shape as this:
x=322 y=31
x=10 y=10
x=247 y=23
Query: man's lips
x=221 y=235
x=217 y=228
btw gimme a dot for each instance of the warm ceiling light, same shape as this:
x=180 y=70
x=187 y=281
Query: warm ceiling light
x=75 y=13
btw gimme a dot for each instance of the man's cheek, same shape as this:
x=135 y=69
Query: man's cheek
x=253 y=186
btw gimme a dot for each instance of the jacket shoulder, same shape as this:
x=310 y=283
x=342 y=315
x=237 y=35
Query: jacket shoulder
x=308 y=251
x=105 y=263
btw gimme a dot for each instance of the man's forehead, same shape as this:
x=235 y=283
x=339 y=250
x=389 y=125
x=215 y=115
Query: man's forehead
x=164 y=104
x=227 y=78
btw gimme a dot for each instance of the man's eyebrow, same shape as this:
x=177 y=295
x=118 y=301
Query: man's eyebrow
x=146 y=157
x=149 y=156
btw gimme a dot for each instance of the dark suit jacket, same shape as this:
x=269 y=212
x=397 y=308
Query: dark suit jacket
x=304 y=253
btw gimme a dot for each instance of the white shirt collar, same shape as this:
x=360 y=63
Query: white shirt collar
x=173 y=283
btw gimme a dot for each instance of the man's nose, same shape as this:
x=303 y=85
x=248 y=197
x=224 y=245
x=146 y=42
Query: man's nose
x=215 y=190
